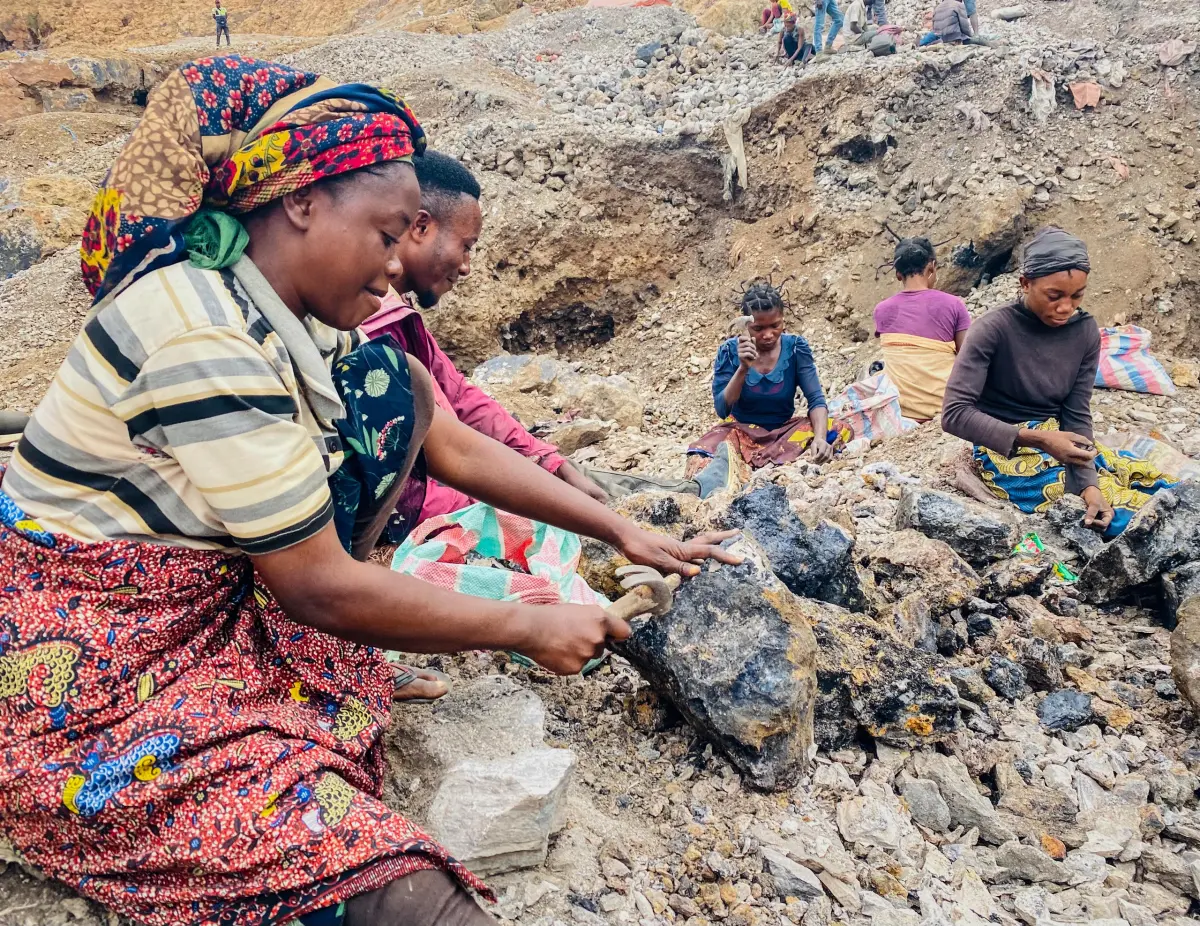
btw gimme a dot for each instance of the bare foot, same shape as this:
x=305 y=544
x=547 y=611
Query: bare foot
x=427 y=686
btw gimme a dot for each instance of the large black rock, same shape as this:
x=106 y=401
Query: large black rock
x=813 y=561
x=736 y=656
x=1163 y=536
x=977 y=534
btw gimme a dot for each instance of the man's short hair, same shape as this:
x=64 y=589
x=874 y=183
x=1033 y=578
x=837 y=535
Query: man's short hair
x=443 y=180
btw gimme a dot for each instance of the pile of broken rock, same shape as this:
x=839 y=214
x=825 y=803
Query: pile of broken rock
x=962 y=735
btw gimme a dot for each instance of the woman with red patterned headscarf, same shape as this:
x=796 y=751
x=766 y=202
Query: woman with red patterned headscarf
x=190 y=642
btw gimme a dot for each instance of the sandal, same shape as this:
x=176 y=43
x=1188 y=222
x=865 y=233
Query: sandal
x=406 y=675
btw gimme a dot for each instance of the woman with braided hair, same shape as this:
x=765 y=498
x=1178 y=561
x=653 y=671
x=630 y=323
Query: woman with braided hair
x=756 y=376
x=921 y=329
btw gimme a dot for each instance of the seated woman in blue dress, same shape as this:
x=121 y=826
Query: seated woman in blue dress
x=755 y=379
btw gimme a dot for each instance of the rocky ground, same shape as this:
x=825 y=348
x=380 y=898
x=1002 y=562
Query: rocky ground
x=988 y=741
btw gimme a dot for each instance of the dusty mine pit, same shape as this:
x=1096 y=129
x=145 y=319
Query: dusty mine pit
x=885 y=716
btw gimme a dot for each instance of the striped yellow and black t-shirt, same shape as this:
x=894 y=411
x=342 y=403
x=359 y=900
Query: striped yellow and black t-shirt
x=179 y=417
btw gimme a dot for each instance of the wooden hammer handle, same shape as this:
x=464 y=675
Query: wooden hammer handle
x=639 y=601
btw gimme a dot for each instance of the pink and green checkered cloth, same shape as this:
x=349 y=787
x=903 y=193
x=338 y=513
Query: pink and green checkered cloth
x=438 y=551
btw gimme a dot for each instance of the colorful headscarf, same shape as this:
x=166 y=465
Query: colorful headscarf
x=233 y=134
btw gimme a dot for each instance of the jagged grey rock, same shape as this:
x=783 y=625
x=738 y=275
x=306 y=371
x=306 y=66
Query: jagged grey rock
x=498 y=815
x=498 y=793
x=925 y=803
x=1185 y=651
x=979 y=535
x=1030 y=864
x=790 y=879
x=1030 y=906
x=967 y=806
x=924 y=580
x=875 y=817
x=1163 y=536
x=1171 y=783
x=737 y=657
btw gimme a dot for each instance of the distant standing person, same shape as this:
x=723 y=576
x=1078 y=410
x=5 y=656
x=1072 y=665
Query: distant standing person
x=921 y=330
x=820 y=8
x=221 y=18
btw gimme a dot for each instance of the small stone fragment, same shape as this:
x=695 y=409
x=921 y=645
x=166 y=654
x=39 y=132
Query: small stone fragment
x=971 y=685
x=967 y=806
x=1030 y=906
x=1040 y=662
x=1085 y=868
x=1171 y=783
x=874 y=818
x=790 y=879
x=1171 y=870
x=1185 y=651
x=1053 y=847
x=1030 y=864
x=1006 y=678
x=1066 y=709
x=925 y=804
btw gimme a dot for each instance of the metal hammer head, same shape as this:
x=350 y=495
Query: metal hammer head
x=660 y=589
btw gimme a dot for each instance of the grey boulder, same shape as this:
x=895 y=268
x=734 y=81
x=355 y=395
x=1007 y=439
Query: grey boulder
x=979 y=535
x=737 y=658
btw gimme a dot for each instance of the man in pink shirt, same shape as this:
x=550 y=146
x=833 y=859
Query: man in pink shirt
x=436 y=254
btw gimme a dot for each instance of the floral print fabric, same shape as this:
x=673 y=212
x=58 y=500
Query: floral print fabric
x=376 y=388
x=176 y=748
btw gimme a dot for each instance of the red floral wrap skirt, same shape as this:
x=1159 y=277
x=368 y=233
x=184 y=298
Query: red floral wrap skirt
x=174 y=747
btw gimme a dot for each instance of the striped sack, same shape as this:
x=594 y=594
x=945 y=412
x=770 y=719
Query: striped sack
x=1126 y=362
x=871 y=408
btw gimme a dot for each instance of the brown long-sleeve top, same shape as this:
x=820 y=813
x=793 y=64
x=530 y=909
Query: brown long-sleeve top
x=1014 y=369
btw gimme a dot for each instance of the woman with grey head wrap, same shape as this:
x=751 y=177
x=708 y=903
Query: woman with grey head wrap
x=1053 y=250
x=1021 y=392
x=1054 y=275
